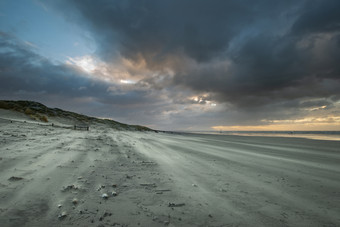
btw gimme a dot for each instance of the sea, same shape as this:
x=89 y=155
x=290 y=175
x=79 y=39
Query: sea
x=318 y=135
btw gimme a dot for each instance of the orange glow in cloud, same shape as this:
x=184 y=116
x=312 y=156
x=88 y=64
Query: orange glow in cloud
x=331 y=123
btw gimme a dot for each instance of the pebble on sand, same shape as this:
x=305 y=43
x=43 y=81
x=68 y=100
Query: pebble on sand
x=13 y=178
x=101 y=187
x=75 y=201
x=70 y=187
x=176 y=204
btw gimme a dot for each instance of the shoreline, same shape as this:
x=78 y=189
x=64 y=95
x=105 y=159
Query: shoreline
x=314 y=135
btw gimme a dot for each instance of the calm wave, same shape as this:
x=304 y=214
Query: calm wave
x=320 y=135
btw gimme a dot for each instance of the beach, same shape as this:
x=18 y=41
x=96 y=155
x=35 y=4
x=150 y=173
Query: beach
x=58 y=176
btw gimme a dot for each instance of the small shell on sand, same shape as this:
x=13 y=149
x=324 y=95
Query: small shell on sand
x=59 y=205
x=114 y=193
x=62 y=215
x=105 y=196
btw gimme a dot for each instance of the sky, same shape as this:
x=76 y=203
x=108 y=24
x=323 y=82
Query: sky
x=185 y=65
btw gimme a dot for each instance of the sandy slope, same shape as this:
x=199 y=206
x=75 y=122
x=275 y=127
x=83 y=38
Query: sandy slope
x=208 y=180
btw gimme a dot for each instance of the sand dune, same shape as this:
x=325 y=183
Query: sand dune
x=54 y=176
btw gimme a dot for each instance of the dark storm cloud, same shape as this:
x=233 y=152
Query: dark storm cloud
x=26 y=75
x=316 y=103
x=268 y=69
x=318 y=16
x=23 y=70
x=274 y=49
x=257 y=60
x=201 y=29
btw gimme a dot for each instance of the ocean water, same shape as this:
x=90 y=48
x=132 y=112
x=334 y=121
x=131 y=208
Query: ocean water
x=319 y=135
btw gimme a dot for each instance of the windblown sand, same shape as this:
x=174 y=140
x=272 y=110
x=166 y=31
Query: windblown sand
x=52 y=176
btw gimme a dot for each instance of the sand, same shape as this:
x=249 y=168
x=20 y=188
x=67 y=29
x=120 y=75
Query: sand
x=54 y=176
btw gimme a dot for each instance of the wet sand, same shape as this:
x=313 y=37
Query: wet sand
x=161 y=179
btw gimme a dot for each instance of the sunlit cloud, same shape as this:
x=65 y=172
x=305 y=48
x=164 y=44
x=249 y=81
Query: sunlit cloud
x=203 y=99
x=127 y=81
x=116 y=72
x=308 y=120
x=86 y=63
x=317 y=108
